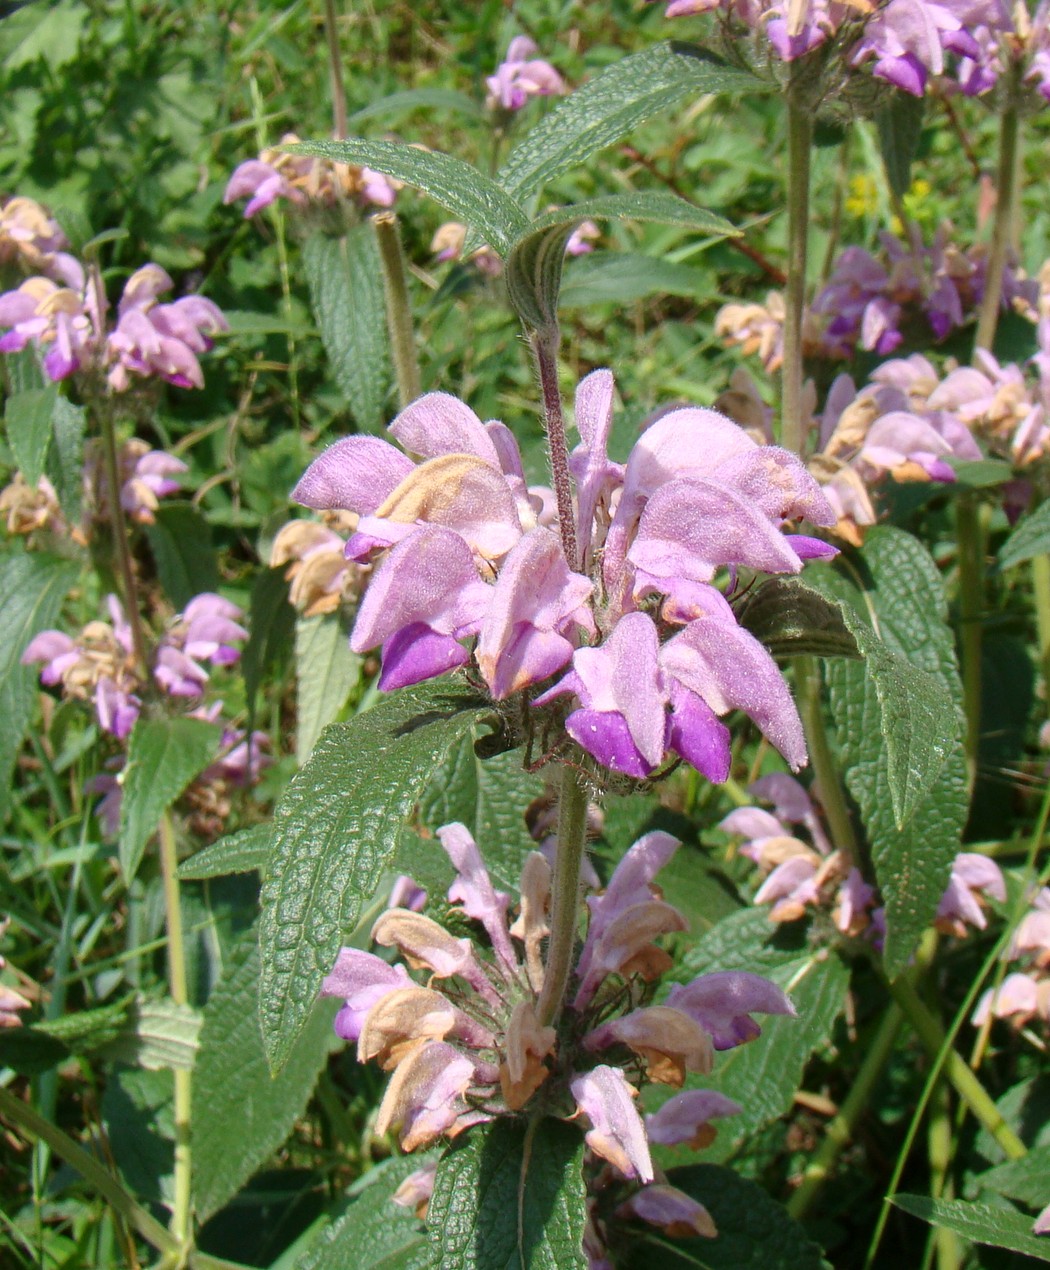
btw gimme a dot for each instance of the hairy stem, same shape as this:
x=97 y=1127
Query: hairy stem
x=545 y=349
x=398 y=308
x=841 y=1130
x=1002 y=227
x=121 y=546
x=335 y=70
x=572 y=827
x=1041 y=588
x=181 y=1217
x=800 y=132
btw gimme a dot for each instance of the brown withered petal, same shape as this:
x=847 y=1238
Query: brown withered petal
x=531 y=926
x=425 y=1094
x=398 y=1021
x=670 y=1042
x=526 y=1045
x=422 y=942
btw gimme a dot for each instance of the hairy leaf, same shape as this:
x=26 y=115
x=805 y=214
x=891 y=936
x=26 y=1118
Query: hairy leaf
x=459 y=187
x=327 y=670
x=32 y=588
x=489 y=796
x=754 y=1231
x=335 y=831
x=614 y=277
x=65 y=458
x=374 y=1233
x=424 y=99
x=611 y=105
x=271 y=621
x=790 y=618
x=36 y=1047
x=1027 y=1179
x=232 y=1085
x=1001 y=1227
x=28 y=418
x=137 y=1110
x=899 y=589
x=509 y=1198
x=164 y=755
x=156 y=1035
x=346 y=295
x=900 y=130
x=535 y=261
x=1031 y=538
x=239 y=852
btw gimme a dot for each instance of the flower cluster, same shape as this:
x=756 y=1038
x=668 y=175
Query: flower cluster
x=871 y=303
x=100 y=664
x=520 y=76
x=651 y=648
x=34 y=239
x=1025 y=993
x=904 y=42
x=469 y=1045
x=304 y=181
x=812 y=875
x=66 y=320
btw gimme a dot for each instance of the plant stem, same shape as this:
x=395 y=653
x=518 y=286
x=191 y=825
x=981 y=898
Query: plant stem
x=965 y=1083
x=825 y=769
x=32 y=1123
x=840 y=1131
x=398 y=308
x=800 y=130
x=1002 y=227
x=181 y=1217
x=1041 y=589
x=969 y=531
x=121 y=546
x=572 y=828
x=335 y=69
x=940 y=1137
x=545 y=349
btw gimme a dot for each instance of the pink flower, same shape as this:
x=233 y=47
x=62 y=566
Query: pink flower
x=520 y=76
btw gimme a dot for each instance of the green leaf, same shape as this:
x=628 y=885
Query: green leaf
x=764 y=1075
x=1031 y=538
x=271 y=621
x=1027 y=1179
x=334 y=833
x=36 y=1047
x=535 y=260
x=51 y=33
x=155 y=1035
x=242 y=1114
x=981 y=473
x=790 y=618
x=428 y=99
x=1001 y=1227
x=327 y=671
x=899 y=586
x=32 y=589
x=467 y=193
x=180 y=539
x=613 y=104
x=346 y=295
x=900 y=131
x=489 y=796
x=754 y=1231
x=28 y=418
x=503 y=1202
x=613 y=277
x=239 y=852
x=65 y=458
x=137 y=1110
x=374 y=1233
x=164 y=755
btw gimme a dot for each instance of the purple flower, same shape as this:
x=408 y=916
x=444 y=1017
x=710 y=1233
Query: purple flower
x=360 y=979
x=723 y=1002
x=617 y=1133
x=686 y=1118
x=261 y=184
x=972 y=876
x=521 y=76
